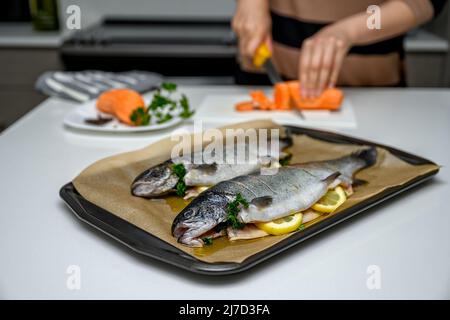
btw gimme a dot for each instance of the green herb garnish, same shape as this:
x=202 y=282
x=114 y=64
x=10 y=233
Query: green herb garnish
x=164 y=118
x=169 y=86
x=160 y=101
x=186 y=110
x=180 y=171
x=233 y=209
x=163 y=107
x=302 y=226
x=207 y=241
x=180 y=188
x=140 y=117
x=286 y=160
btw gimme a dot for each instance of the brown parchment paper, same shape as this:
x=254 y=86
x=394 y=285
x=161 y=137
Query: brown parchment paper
x=106 y=183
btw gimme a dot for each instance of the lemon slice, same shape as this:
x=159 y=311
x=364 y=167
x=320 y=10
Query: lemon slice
x=282 y=225
x=330 y=201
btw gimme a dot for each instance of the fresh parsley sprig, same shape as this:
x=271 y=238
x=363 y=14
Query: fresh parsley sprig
x=180 y=171
x=163 y=107
x=233 y=209
x=186 y=111
x=286 y=160
x=207 y=241
x=140 y=117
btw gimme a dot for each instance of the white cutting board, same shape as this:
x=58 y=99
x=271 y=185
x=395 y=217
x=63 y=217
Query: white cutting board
x=220 y=109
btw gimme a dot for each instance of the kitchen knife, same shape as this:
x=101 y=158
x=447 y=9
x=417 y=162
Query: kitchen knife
x=263 y=59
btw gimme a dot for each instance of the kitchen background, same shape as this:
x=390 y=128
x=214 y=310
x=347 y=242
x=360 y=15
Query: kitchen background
x=189 y=40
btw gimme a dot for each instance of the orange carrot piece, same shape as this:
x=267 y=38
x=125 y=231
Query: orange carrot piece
x=294 y=93
x=105 y=102
x=281 y=96
x=127 y=101
x=244 y=106
x=261 y=100
x=121 y=103
x=330 y=99
x=288 y=95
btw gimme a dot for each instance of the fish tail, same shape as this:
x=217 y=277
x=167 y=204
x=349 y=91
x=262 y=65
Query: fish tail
x=368 y=155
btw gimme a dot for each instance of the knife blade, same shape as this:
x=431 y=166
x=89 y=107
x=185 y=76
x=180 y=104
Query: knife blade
x=272 y=73
x=263 y=58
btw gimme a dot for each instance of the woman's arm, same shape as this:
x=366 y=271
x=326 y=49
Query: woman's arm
x=322 y=55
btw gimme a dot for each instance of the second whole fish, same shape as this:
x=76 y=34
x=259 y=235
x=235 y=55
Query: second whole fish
x=162 y=179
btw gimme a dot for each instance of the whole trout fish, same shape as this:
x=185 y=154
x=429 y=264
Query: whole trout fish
x=162 y=178
x=293 y=188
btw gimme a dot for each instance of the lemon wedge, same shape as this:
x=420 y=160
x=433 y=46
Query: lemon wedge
x=332 y=200
x=283 y=225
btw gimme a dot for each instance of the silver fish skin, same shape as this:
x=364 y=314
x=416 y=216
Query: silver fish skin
x=270 y=197
x=160 y=180
x=347 y=166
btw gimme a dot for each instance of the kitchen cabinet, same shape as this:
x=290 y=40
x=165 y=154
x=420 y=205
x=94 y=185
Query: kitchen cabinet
x=24 y=55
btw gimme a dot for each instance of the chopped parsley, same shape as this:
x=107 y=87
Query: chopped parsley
x=180 y=171
x=159 y=101
x=180 y=188
x=207 y=241
x=233 y=209
x=140 y=117
x=301 y=227
x=163 y=107
x=186 y=111
x=168 y=86
x=164 y=118
x=286 y=160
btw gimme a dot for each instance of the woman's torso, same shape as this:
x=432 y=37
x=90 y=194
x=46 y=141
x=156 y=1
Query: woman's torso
x=293 y=21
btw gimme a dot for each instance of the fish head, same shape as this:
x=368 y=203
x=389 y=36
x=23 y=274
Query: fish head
x=155 y=181
x=198 y=218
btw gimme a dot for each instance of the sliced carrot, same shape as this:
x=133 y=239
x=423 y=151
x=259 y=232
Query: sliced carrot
x=281 y=96
x=121 y=103
x=287 y=95
x=330 y=99
x=261 y=100
x=105 y=102
x=244 y=106
x=127 y=101
x=294 y=93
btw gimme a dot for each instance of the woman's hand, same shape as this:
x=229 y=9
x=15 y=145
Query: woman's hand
x=321 y=59
x=252 y=25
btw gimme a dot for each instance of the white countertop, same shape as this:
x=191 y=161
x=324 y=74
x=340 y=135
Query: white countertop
x=408 y=237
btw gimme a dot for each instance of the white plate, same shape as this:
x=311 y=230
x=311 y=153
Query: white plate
x=76 y=119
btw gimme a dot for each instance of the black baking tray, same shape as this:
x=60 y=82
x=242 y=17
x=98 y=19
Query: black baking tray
x=151 y=246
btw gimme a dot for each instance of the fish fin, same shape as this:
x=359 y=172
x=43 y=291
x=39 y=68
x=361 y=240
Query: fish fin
x=286 y=141
x=368 y=155
x=359 y=182
x=330 y=179
x=208 y=168
x=262 y=202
